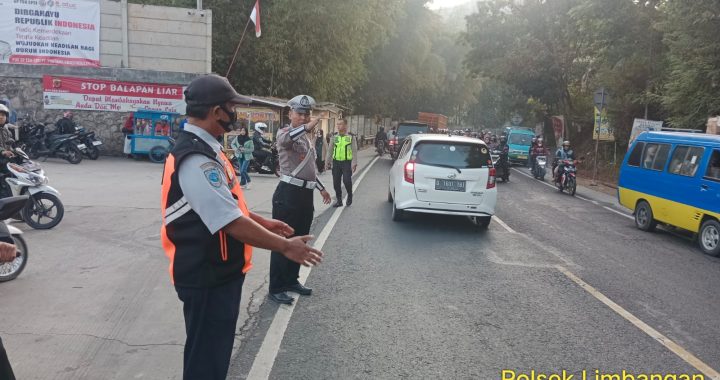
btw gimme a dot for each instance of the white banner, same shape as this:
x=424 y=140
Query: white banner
x=641 y=125
x=50 y=32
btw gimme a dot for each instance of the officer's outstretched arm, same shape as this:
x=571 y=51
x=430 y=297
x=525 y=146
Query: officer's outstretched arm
x=296 y=249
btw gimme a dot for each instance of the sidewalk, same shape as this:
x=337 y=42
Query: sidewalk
x=259 y=200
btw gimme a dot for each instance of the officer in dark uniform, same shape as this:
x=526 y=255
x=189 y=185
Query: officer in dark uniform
x=208 y=232
x=293 y=198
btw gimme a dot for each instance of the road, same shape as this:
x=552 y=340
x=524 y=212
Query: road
x=431 y=297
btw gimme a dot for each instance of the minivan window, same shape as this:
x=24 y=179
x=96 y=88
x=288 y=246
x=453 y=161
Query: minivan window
x=713 y=169
x=656 y=156
x=457 y=155
x=636 y=154
x=520 y=139
x=405 y=130
x=685 y=160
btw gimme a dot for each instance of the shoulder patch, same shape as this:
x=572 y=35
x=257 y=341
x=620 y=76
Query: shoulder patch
x=213 y=173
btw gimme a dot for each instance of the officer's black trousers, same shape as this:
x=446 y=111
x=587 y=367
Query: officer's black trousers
x=342 y=170
x=210 y=320
x=294 y=206
x=6 y=371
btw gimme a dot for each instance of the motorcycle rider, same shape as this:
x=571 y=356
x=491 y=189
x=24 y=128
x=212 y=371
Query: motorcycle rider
x=539 y=150
x=262 y=151
x=381 y=137
x=504 y=149
x=66 y=125
x=564 y=153
x=6 y=135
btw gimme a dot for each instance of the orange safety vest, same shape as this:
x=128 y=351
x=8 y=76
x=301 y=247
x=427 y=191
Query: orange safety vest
x=197 y=257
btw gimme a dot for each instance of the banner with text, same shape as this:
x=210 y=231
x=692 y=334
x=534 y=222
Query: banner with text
x=602 y=129
x=50 y=32
x=641 y=125
x=104 y=95
x=558 y=123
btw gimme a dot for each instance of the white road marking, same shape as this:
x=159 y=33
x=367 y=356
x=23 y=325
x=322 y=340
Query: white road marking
x=504 y=225
x=265 y=358
x=675 y=348
x=579 y=197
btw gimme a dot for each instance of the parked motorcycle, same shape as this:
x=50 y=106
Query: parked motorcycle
x=501 y=164
x=43 y=210
x=8 y=207
x=91 y=143
x=567 y=173
x=39 y=143
x=540 y=167
x=273 y=163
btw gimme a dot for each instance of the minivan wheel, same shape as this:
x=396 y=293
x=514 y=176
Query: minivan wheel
x=482 y=223
x=644 y=217
x=709 y=237
x=397 y=215
x=389 y=196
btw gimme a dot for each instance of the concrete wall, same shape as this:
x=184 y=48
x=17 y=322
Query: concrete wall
x=22 y=84
x=155 y=38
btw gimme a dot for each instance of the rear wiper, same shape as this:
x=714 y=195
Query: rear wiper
x=448 y=166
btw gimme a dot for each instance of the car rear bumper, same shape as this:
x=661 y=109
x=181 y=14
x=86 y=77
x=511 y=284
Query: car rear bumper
x=486 y=208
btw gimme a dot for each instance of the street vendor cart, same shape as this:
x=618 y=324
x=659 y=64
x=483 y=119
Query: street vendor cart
x=153 y=134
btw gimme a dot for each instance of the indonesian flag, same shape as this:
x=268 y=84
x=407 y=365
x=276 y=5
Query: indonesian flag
x=255 y=18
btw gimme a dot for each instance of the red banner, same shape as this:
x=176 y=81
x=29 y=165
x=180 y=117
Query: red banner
x=106 y=95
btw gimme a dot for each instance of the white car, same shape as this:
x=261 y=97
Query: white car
x=440 y=174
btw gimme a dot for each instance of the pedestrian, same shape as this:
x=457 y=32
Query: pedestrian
x=293 y=197
x=342 y=158
x=320 y=149
x=8 y=253
x=243 y=146
x=208 y=232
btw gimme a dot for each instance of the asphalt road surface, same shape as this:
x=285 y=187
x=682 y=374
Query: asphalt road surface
x=432 y=298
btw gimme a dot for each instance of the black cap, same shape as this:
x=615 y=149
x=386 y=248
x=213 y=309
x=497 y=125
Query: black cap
x=212 y=90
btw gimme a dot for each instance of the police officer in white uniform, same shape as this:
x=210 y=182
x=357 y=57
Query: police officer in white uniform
x=293 y=198
x=208 y=232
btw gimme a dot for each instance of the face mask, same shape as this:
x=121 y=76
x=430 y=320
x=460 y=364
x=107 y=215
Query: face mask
x=228 y=125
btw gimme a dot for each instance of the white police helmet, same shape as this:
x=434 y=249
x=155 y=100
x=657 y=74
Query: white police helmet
x=5 y=110
x=302 y=103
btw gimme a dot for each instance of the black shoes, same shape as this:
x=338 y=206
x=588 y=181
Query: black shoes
x=338 y=203
x=299 y=289
x=281 y=298
x=349 y=200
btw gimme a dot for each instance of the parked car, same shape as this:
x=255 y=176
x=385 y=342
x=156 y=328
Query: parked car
x=404 y=130
x=674 y=178
x=441 y=174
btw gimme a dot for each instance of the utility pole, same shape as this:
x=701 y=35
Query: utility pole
x=601 y=97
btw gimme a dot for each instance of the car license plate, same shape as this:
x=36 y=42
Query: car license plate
x=81 y=146
x=449 y=185
x=96 y=143
x=522 y=157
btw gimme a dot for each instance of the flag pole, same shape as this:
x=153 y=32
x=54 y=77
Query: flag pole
x=237 y=49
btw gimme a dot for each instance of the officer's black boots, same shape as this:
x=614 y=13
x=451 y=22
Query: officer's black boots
x=349 y=199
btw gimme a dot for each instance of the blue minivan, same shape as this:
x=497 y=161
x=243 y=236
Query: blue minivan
x=519 y=143
x=674 y=178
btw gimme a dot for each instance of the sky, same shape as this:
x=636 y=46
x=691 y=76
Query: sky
x=437 y=4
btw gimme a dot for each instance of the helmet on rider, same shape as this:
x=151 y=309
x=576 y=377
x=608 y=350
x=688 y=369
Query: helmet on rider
x=68 y=115
x=566 y=145
x=5 y=110
x=261 y=127
x=503 y=138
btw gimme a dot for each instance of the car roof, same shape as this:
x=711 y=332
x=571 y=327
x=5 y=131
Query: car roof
x=522 y=131
x=676 y=137
x=423 y=137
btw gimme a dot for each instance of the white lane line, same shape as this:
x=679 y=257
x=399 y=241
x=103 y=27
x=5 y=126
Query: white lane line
x=265 y=358
x=675 y=348
x=619 y=212
x=504 y=225
x=579 y=197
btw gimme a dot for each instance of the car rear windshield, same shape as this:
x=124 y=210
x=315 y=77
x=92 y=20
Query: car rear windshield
x=457 y=155
x=404 y=130
x=520 y=139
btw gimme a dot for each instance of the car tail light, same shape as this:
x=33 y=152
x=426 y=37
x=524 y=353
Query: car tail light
x=393 y=141
x=410 y=172
x=491 y=178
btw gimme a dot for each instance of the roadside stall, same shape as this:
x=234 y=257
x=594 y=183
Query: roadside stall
x=152 y=134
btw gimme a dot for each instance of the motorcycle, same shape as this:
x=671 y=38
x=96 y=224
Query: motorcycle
x=8 y=207
x=91 y=143
x=381 y=148
x=567 y=181
x=540 y=167
x=501 y=164
x=273 y=163
x=43 y=210
x=39 y=143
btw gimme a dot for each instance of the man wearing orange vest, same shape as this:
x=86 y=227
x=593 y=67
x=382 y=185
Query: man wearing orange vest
x=208 y=232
